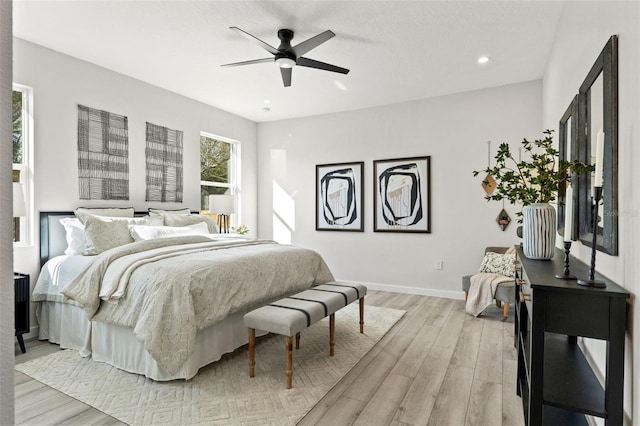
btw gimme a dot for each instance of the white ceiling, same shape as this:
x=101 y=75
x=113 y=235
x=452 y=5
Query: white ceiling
x=396 y=50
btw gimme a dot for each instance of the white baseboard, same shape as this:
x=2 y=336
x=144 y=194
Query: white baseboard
x=447 y=294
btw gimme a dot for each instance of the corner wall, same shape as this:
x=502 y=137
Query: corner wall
x=453 y=130
x=7 y=359
x=61 y=82
x=583 y=30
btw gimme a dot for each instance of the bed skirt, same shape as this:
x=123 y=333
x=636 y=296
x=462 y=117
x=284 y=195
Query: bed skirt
x=67 y=326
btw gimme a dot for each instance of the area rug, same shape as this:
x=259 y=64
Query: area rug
x=222 y=393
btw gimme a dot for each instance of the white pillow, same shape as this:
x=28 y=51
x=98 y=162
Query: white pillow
x=186 y=220
x=146 y=232
x=74 y=229
x=104 y=233
x=154 y=220
x=498 y=264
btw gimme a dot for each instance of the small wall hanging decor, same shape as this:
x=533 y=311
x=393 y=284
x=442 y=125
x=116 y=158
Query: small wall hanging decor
x=402 y=195
x=339 y=197
x=489 y=183
x=163 y=155
x=503 y=218
x=103 y=155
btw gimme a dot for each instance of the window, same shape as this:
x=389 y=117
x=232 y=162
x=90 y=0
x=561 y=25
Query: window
x=219 y=167
x=22 y=147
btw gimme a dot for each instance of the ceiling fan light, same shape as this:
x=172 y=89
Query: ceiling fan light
x=285 y=62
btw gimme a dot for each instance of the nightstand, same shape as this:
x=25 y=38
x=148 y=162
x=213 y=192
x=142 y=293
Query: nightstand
x=22 y=290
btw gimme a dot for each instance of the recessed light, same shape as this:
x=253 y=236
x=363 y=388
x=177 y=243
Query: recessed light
x=483 y=59
x=267 y=101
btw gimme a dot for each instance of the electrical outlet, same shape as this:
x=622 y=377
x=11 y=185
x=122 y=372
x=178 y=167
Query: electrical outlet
x=438 y=264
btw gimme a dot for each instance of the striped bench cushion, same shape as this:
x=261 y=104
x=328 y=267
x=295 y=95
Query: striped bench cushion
x=293 y=314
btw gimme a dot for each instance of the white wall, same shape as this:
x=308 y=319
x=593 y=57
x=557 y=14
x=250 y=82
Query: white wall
x=61 y=82
x=453 y=130
x=583 y=31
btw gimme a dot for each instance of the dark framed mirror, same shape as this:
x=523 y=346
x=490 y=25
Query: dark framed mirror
x=568 y=147
x=598 y=109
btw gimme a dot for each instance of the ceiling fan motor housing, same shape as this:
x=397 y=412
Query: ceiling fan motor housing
x=285 y=35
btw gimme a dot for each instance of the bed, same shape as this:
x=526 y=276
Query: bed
x=162 y=308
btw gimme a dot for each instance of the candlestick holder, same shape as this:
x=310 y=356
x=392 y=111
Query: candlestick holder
x=566 y=275
x=592 y=282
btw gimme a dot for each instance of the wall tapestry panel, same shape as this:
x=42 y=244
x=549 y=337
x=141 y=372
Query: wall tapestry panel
x=164 y=164
x=103 y=155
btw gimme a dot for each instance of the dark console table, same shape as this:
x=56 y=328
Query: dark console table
x=555 y=381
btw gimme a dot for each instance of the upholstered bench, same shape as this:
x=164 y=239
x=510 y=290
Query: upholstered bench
x=505 y=292
x=291 y=315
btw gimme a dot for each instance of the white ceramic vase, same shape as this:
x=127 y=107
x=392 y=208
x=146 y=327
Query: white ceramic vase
x=538 y=231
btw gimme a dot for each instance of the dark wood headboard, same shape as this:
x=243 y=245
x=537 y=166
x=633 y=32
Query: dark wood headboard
x=53 y=238
x=53 y=241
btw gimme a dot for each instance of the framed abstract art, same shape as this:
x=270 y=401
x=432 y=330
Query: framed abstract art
x=339 y=197
x=401 y=195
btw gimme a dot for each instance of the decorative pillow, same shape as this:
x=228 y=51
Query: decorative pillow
x=186 y=220
x=104 y=233
x=498 y=264
x=146 y=232
x=81 y=212
x=74 y=229
x=161 y=211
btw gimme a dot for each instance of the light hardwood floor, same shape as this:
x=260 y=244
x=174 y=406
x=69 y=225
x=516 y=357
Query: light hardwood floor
x=436 y=366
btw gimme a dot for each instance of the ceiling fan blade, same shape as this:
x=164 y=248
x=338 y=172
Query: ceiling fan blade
x=302 y=48
x=260 y=43
x=286 y=76
x=254 y=61
x=311 y=63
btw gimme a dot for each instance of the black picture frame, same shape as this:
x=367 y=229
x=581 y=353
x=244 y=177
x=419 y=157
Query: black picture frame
x=340 y=197
x=606 y=69
x=402 y=195
x=568 y=147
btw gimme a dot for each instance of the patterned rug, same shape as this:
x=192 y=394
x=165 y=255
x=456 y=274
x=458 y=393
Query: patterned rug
x=222 y=393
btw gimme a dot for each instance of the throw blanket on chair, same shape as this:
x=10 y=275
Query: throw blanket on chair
x=482 y=291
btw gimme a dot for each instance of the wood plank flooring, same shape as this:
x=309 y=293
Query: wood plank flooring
x=436 y=366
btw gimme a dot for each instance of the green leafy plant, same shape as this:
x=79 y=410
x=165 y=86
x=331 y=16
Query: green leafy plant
x=241 y=229
x=535 y=179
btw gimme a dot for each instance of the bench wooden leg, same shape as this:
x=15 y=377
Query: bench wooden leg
x=252 y=351
x=298 y=340
x=362 y=314
x=497 y=303
x=289 y=361
x=332 y=332
x=466 y=295
x=505 y=310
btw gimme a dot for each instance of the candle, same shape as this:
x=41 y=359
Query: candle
x=568 y=214
x=599 y=159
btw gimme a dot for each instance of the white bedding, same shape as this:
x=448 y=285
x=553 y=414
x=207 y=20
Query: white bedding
x=56 y=274
x=243 y=274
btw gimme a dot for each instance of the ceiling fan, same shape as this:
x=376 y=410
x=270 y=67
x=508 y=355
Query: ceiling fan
x=287 y=56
